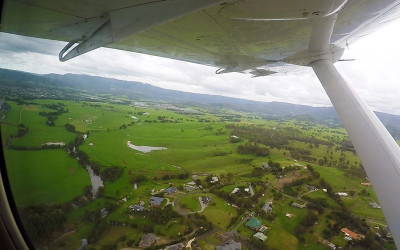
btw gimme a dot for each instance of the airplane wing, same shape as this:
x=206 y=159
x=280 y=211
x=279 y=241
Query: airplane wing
x=260 y=37
x=234 y=35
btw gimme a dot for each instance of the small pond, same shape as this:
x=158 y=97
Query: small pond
x=144 y=149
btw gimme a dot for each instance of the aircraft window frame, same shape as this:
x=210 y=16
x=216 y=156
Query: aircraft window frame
x=8 y=209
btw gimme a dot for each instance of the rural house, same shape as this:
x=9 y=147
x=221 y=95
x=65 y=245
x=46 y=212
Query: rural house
x=313 y=188
x=253 y=223
x=136 y=208
x=206 y=199
x=262 y=229
x=267 y=207
x=235 y=190
x=230 y=245
x=352 y=234
x=104 y=212
x=177 y=246
x=214 y=179
x=374 y=205
x=156 y=201
x=190 y=187
x=265 y=166
x=260 y=236
x=148 y=239
x=171 y=190
x=294 y=204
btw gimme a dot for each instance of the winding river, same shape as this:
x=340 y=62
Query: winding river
x=95 y=180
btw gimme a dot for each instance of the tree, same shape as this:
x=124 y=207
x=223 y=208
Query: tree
x=70 y=128
x=229 y=176
x=111 y=173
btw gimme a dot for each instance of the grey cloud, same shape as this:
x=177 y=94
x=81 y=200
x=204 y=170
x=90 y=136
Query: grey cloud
x=18 y=44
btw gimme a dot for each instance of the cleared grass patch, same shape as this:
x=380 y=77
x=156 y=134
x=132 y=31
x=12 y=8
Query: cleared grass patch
x=44 y=176
x=219 y=214
x=278 y=238
x=190 y=202
x=39 y=132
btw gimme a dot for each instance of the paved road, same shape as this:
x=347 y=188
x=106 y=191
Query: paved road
x=373 y=220
x=183 y=211
x=203 y=206
x=180 y=211
x=307 y=193
x=189 y=244
x=234 y=230
x=73 y=231
x=378 y=222
x=270 y=181
x=251 y=190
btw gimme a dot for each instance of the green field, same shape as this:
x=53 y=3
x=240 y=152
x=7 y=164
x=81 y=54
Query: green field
x=197 y=143
x=190 y=202
x=219 y=212
x=44 y=176
x=39 y=132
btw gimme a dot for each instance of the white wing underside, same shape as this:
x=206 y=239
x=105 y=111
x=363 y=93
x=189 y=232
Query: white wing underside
x=233 y=35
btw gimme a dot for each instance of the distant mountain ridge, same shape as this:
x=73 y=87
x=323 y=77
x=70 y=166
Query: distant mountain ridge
x=147 y=92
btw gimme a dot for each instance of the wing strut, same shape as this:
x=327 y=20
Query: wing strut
x=378 y=151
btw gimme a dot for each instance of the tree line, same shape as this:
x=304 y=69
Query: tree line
x=254 y=149
x=52 y=116
x=41 y=220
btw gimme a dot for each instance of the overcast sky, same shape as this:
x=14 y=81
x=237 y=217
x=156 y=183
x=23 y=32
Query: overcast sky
x=375 y=74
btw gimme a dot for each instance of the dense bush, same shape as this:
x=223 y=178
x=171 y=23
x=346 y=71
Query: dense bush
x=41 y=220
x=253 y=149
x=70 y=128
x=111 y=173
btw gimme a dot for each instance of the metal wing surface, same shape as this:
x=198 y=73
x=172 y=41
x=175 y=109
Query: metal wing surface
x=232 y=35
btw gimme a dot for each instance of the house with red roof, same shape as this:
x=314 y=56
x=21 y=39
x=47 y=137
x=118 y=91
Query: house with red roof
x=352 y=234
